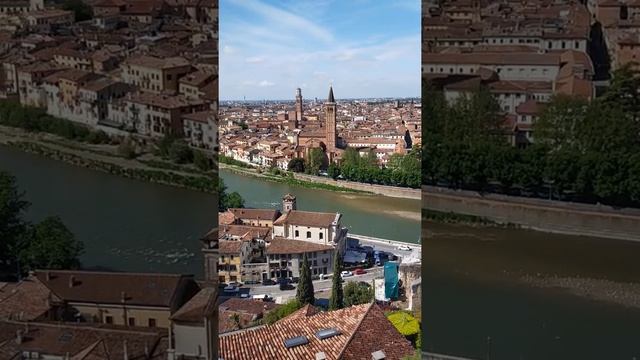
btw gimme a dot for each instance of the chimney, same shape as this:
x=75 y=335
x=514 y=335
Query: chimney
x=378 y=355
x=123 y=297
x=72 y=281
x=19 y=337
x=47 y=275
x=321 y=356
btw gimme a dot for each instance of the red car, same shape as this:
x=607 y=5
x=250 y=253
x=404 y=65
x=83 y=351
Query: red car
x=359 y=271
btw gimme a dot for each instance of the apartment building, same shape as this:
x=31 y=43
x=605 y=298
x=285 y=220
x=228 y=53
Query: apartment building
x=154 y=115
x=154 y=74
x=200 y=129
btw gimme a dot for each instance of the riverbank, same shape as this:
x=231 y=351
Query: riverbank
x=104 y=158
x=549 y=216
x=325 y=183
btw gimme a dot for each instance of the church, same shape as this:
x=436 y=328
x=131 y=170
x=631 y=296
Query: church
x=306 y=134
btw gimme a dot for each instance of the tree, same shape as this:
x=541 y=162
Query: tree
x=226 y=201
x=201 y=160
x=81 y=10
x=282 y=311
x=51 y=245
x=333 y=171
x=315 y=161
x=337 y=296
x=127 y=149
x=356 y=293
x=304 y=292
x=180 y=152
x=296 y=165
x=12 y=224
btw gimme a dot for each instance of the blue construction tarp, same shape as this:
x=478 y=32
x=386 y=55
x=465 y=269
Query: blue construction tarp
x=391 y=280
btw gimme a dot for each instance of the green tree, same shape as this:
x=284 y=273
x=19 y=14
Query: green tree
x=356 y=293
x=201 y=160
x=180 y=152
x=315 y=161
x=127 y=149
x=282 y=311
x=51 y=245
x=225 y=200
x=12 y=224
x=333 y=171
x=296 y=165
x=337 y=293
x=304 y=293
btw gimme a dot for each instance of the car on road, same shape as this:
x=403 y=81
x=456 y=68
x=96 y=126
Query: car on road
x=234 y=283
x=251 y=282
x=231 y=289
x=244 y=296
x=404 y=248
x=346 y=273
x=269 y=282
x=359 y=271
x=285 y=284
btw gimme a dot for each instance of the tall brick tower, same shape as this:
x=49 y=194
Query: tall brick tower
x=330 y=121
x=298 y=105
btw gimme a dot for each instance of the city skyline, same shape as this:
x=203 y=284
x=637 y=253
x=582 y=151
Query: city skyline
x=268 y=50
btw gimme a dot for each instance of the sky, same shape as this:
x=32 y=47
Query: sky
x=364 y=48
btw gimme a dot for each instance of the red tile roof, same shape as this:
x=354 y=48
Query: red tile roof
x=363 y=329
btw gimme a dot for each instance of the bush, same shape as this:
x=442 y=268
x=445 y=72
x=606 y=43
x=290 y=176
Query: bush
x=283 y=311
x=180 y=152
x=127 y=149
x=201 y=160
x=98 y=137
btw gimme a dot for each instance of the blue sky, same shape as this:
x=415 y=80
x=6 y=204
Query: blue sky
x=365 y=48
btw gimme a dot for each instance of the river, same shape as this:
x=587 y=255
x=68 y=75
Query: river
x=131 y=225
x=535 y=295
x=371 y=215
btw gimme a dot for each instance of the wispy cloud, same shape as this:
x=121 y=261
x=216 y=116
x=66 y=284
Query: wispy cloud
x=279 y=16
x=268 y=51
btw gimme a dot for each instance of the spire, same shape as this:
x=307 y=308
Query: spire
x=331 y=99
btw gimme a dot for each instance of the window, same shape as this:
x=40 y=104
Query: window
x=297 y=233
x=321 y=236
x=308 y=234
x=132 y=321
x=152 y=322
x=108 y=319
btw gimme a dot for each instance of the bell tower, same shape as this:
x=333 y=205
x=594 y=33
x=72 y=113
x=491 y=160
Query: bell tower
x=330 y=121
x=288 y=203
x=298 y=106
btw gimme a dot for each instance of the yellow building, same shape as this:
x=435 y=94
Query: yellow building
x=233 y=254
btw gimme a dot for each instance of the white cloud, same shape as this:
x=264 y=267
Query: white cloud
x=285 y=18
x=265 y=83
x=254 y=60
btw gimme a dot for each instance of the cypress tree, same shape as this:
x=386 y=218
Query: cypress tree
x=304 y=293
x=337 y=293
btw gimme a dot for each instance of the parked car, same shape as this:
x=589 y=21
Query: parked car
x=285 y=284
x=346 y=273
x=295 y=280
x=269 y=282
x=404 y=248
x=231 y=289
x=234 y=283
x=251 y=282
x=244 y=296
x=359 y=271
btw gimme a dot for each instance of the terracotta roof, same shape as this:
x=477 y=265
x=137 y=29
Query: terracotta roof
x=255 y=214
x=158 y=63
x=202 y=305
x=279 y=245
x=230 y=246
x=529 y=107
x=492 y=59
x=26 y=300
x=307 y=218
x=81 y=342
x=225 y=218
x=244 y=230
x=363 y=329
x=108 y=287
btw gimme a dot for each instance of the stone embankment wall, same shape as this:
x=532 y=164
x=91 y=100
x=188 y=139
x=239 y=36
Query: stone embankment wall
x=391 y=191
x=538 y=214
